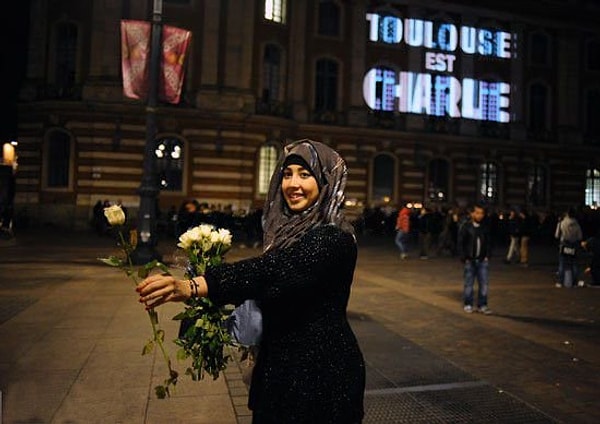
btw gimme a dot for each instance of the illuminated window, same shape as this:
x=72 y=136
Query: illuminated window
x=329 y=18
x=326 y=85
x=438 y=176
x=592 y=188
x=169 y=164
x=383 y=178
x=65 y=57
x=271 y=72
x=275 y=11
x=58 y=160
x=488 y=182
x=267 y=160
x=592 y=124
x=536 y=185
x=538 y=106
x=539 y=50
x=593 y=55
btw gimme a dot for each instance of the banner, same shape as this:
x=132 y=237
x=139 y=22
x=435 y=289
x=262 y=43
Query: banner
x=175 y=42
x=135 y=57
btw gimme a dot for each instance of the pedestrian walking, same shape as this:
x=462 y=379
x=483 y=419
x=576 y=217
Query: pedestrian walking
x=309 y=367
x=402 y=231
x=569 y=234
x=475 y=247
x=529 y=226
x=514 y=233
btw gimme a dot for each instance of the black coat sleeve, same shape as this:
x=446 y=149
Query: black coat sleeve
x=282 y=272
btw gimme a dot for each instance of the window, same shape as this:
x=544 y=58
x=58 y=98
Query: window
x=438 y=180
x=329 y=18
x=592 y=126
x=383 y=178
x=326 y=85
x=538 y=102
x=536 y=186
x=275 y=11
x=593 y=56
x=267 y=160
x=488 y=182
x=58 y=160
x=169 y=164
x=65 y=55
x=592 y=188
x=539 y=52
x=271 y=72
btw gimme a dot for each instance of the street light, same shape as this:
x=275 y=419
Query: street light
x=145 y=251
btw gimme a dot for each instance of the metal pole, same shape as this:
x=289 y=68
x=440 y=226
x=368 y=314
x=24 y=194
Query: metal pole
x=145 y=250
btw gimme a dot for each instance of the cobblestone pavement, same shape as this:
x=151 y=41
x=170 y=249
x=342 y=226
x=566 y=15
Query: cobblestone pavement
x=71 y=337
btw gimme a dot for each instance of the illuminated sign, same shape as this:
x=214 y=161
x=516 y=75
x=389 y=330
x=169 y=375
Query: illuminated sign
x=433 y=93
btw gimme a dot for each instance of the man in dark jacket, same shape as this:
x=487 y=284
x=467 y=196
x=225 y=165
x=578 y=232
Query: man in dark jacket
x=474 y=247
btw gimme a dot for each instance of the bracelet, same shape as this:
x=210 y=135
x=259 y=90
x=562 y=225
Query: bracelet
x=193 y=288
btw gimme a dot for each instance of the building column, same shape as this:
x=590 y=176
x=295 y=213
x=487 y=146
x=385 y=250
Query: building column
x=356 y=112
x=297 y=55
x=568 y=90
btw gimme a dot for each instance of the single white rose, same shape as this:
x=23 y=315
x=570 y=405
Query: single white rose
x=225 y=237
x=195 y=234
x=115 y=215
x=215 y=237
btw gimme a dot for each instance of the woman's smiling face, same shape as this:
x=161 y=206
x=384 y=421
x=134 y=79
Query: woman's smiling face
x=299 y=187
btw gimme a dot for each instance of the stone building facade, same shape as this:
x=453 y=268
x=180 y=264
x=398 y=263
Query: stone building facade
x=441 y=102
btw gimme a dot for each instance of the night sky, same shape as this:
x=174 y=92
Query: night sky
x=13 y=60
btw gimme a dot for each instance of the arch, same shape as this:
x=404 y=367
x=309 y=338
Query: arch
x=437 y=184
x=266 y=160
x=171 y=156
x=58 y=163
x=489 y=182
x=592 y=188
x=384 y=171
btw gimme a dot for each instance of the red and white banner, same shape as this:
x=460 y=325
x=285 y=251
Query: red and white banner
x=175 y=42
x=135 y=50
x=135 y=57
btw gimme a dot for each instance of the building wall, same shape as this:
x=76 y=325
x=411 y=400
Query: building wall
x=223 y=126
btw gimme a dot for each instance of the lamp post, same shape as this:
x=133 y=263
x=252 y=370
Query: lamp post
x=145 y=250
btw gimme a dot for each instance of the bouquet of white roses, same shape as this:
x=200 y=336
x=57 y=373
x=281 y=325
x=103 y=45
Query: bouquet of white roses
x=203 y=336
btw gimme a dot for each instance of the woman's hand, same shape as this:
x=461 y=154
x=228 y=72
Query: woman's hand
x=161 y=288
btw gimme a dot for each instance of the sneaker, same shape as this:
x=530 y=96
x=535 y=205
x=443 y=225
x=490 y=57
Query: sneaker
x=558 y=285
x=468 y=309
x=484 y=310
x=403 y=256
x=581 y=283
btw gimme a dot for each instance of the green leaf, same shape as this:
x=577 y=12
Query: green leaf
x=112 y=261
x=182 y=355
x=148 y=347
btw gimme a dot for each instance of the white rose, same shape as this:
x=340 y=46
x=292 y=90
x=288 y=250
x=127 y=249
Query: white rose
x=225 y=237
x=205 y=230
x=115 y=215
x=215 y=237
x=185 y=241
x=194 y=234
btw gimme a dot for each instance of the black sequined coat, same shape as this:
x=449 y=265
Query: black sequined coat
x=310 y=368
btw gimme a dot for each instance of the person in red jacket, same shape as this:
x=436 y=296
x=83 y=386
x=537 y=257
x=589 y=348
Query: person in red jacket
x=402 y=230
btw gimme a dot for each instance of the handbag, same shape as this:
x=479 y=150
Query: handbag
x=245 y=323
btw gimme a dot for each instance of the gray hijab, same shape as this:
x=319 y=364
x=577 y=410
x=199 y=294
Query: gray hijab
x=281 y=227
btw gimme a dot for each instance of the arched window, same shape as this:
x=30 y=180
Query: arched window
x=383 y=186
x=438 y=176
x=326 y=85
x=592 y=188
x=539 y=49
x=271 y=73
x=58 y=160
x=488 y=182
x=538 y=106
x=267 y=160
x=65 y=57
x=275 y=11
x=169 y=163
x=329 y=18
x=536 y=185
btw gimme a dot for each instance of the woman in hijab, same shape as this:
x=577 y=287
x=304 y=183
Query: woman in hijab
x=310 y=368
